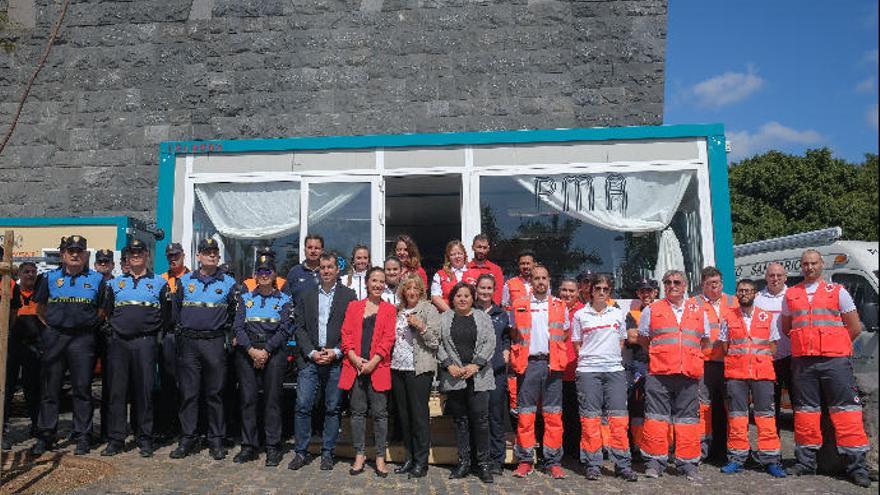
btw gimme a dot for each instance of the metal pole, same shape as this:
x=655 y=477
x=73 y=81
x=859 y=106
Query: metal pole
x=5 y=300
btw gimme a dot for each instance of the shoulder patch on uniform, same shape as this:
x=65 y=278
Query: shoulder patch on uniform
x=218 y=291
x=122 y=284
x=249 y=303
x=60 y=282
x=150 y=286
x=191 y=287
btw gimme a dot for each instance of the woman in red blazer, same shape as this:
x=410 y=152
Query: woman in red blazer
x=367 y=338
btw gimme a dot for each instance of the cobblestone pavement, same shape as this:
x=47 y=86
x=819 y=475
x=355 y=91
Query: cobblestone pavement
x=200 y=474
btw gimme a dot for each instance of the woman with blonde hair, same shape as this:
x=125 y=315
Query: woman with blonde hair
x=413 y=363
x=356 y=278
x=454 y=268
x=407 y=251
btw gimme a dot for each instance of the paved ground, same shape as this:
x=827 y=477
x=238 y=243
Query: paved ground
x=200 y=474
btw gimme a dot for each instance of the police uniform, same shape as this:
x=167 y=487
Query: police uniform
x=249 y=284
x=138 y=307
x=203 y=308
x=103 y=256
x=262 y=322
x=166 y=405
x=72 y=315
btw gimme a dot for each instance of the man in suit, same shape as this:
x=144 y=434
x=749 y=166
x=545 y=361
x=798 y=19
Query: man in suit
x=318 y=326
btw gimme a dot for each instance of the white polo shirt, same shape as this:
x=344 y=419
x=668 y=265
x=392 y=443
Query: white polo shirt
x=773 y=305
x=437 y=287
x=600 y=335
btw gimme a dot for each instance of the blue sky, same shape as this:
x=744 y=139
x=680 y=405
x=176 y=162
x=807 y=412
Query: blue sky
x=779 y=74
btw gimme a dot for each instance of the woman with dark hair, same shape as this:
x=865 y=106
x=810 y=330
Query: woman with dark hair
x=467 y=344
x=356 y=276
x=454 y=267
x=413 y=363
x=498 y=402
x=408 y=253
x=598 y=332
x=393 y=269
x=367 y=339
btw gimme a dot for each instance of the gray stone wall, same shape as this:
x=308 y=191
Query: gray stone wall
x=126 y=75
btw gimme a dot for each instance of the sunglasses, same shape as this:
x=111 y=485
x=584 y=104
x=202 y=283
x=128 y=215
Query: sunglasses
x=264 y=273
x=602 y=289
x=677 y=283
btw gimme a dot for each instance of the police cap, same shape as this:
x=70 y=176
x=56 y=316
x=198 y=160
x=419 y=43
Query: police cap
x=104 y=255
x=646 y=283
x=137 y=245
x=173 y=249
x=208 y=244
x=266 y=251
x=74 y=242
x=264 y=262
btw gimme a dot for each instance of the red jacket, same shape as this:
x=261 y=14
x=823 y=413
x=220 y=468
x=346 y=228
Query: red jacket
x=473 y=272
x=383 y=341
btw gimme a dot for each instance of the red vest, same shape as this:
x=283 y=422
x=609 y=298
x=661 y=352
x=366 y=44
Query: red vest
x=675 y=347
x=816 y=327
x=517 y=289
x=714 y=352
x=446 y=283
x=521 y=334
x=749 y=356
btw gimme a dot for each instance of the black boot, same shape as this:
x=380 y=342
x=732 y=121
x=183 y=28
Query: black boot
x=463 y=440
x=405 y=467
x=462 y=470
x=484 y=472
x=419 y=471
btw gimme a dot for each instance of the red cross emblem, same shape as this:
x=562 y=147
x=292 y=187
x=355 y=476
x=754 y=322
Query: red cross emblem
x=829 y=287
x=762 y=316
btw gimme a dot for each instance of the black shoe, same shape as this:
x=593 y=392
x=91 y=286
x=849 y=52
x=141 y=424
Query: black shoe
x=217 y=453
x=40 y=447
x=273 y=456
x=381 y=474
x=484 y=472
x=355 y=472
x=461 y=471
x=246 y=454
x=146 y=449
x=403 y=468
x=83 y=447
x=627 y=475
x=181 y=451
x=297 y=463
x=327 y=463
x=112 y=449
x=497 y=469
x=861 y=478
x=418 y=471
x=592 y=473
x=800 y=470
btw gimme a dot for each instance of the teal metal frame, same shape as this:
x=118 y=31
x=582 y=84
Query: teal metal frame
x=120 y=222
x=713 y=133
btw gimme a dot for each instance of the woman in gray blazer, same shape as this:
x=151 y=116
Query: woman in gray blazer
x=413 y=363
x=467 y=344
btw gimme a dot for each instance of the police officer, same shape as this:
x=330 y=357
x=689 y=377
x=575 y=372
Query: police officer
x=203 y=308
x=166 y=406
x=138 y=306
x=250 y=284
x=104 y=265
x=262 y=328
x=70 y=301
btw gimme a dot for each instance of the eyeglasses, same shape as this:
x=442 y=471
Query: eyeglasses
x=264 y=273
x=745 y=291
x=677 y=283
x=602 y=289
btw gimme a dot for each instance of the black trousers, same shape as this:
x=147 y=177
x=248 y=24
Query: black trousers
x=201 y=369
x=571 y=419
x=715 y=384
x=73 y=351
x=250 y=381
x=130 y=371
x=470 y=412
x=165 y=409
x=23 y=367
x=499 y=412
x=782 y=367
x=411 y=394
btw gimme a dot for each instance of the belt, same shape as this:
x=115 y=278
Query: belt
x=202 y=334
x=197 y=304
x=135 y=336
x=137 y=303
x=539 y=357
x=257 y=319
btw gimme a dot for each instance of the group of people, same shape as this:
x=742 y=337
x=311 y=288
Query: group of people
x=664 y=377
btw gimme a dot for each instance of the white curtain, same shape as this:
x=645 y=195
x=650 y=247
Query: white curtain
x=326 y=198
x=251 y=210
x=633 y=202
x=669 y=255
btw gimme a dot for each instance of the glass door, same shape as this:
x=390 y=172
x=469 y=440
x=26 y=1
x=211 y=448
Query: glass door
x=344 y=211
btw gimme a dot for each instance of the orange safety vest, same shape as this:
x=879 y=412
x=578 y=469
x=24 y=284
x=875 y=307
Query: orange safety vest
x=675 y=347
x=172 y=279
x=749 y=356
x=522 y=326
x=28 y=305
x=817 y=328
x=517 y=289
x=446 y=282
x=251 y=283
x=714 y=352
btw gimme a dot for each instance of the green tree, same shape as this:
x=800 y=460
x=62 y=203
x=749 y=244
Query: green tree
x=778 y=194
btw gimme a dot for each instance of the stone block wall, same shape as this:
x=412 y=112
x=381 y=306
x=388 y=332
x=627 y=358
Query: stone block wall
x=125 y=75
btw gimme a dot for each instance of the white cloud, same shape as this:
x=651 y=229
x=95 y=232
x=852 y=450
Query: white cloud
x=726 y=89
x=771 y=135
x=867 y=85
x=871 y=116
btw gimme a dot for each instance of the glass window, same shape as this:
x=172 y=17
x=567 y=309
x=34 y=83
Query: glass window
x=859 y=288
x=340 y=213
x=245 y=216
x=606 y=222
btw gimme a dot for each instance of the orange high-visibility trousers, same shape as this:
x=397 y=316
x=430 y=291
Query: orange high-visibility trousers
x=761 y=392
x=539 y=386
x=602 y=397
x=671 y=402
